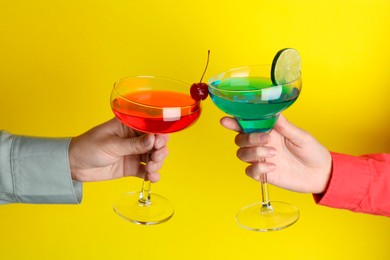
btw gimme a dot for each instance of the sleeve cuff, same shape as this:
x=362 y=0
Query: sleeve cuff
x=40 y=172
x=347 y=186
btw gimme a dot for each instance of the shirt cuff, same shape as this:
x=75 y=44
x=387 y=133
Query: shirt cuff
x=348 y=183
x=40 y=172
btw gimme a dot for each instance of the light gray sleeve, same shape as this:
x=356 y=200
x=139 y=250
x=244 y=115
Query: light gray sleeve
x=36 y=170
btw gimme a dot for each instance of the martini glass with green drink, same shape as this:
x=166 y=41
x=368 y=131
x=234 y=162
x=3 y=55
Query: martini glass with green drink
x=255 y=96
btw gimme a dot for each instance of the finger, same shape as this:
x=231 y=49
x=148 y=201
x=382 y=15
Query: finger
x=151 y=176
x=154 y=177
x=136 y=145
x=253 y=139
x=157 y=160
x=154 y=166
x=255 y=170
x=230 y=123
x=293 y=133
x=159 y=155
x=161 y=140
x=254 y=154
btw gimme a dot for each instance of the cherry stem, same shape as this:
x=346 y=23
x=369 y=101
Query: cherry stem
x=207 y=64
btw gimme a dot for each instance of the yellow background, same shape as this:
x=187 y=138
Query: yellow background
x=59 y=60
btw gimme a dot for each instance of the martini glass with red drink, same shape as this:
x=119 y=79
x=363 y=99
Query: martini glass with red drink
x=151 y=105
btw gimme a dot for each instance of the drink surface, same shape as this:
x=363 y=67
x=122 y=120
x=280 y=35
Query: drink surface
x=253 y=101
x=156 y=111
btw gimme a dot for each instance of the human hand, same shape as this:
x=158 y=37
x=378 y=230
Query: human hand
x=112 y=150
x=293 y=158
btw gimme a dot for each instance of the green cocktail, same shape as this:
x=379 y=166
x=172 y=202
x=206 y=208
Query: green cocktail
x=254 y=101
x=251 y=96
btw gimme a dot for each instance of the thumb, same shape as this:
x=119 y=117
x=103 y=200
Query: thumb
x=230 y=123
x=290 y=131
x=136 y=145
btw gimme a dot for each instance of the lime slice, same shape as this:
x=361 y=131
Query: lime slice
x=286 y=66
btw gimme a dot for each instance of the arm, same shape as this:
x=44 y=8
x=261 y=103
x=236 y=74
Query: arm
x=359 y=184
x=50 y=170
x=36 y=170
x=295 y=160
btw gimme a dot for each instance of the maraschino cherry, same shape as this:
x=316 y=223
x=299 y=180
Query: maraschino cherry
x=200 y=91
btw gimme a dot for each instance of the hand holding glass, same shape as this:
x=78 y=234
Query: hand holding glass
x=151 y=105
x=249 y=95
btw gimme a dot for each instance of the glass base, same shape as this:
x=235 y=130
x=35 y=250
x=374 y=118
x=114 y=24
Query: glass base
x=159 y=210
x=262 y=218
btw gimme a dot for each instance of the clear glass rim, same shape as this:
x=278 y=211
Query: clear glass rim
x=115 y=89
x=248 y=67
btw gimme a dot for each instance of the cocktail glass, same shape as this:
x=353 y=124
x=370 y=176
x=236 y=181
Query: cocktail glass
x=247 y=93
x=151 y=105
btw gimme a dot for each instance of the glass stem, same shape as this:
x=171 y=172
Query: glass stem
x=265 y=199
x=144 y=195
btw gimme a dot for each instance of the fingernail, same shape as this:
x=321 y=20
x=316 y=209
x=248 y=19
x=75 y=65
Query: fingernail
x=147 y=140
x=158 y=143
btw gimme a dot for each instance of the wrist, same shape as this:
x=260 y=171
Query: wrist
x=73 y=159
x=326 y=174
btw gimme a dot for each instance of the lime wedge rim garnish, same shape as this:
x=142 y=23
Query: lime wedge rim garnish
x=286 y=66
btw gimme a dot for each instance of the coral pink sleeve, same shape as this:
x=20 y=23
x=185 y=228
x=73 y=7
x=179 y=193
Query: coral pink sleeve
x=359 y=183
